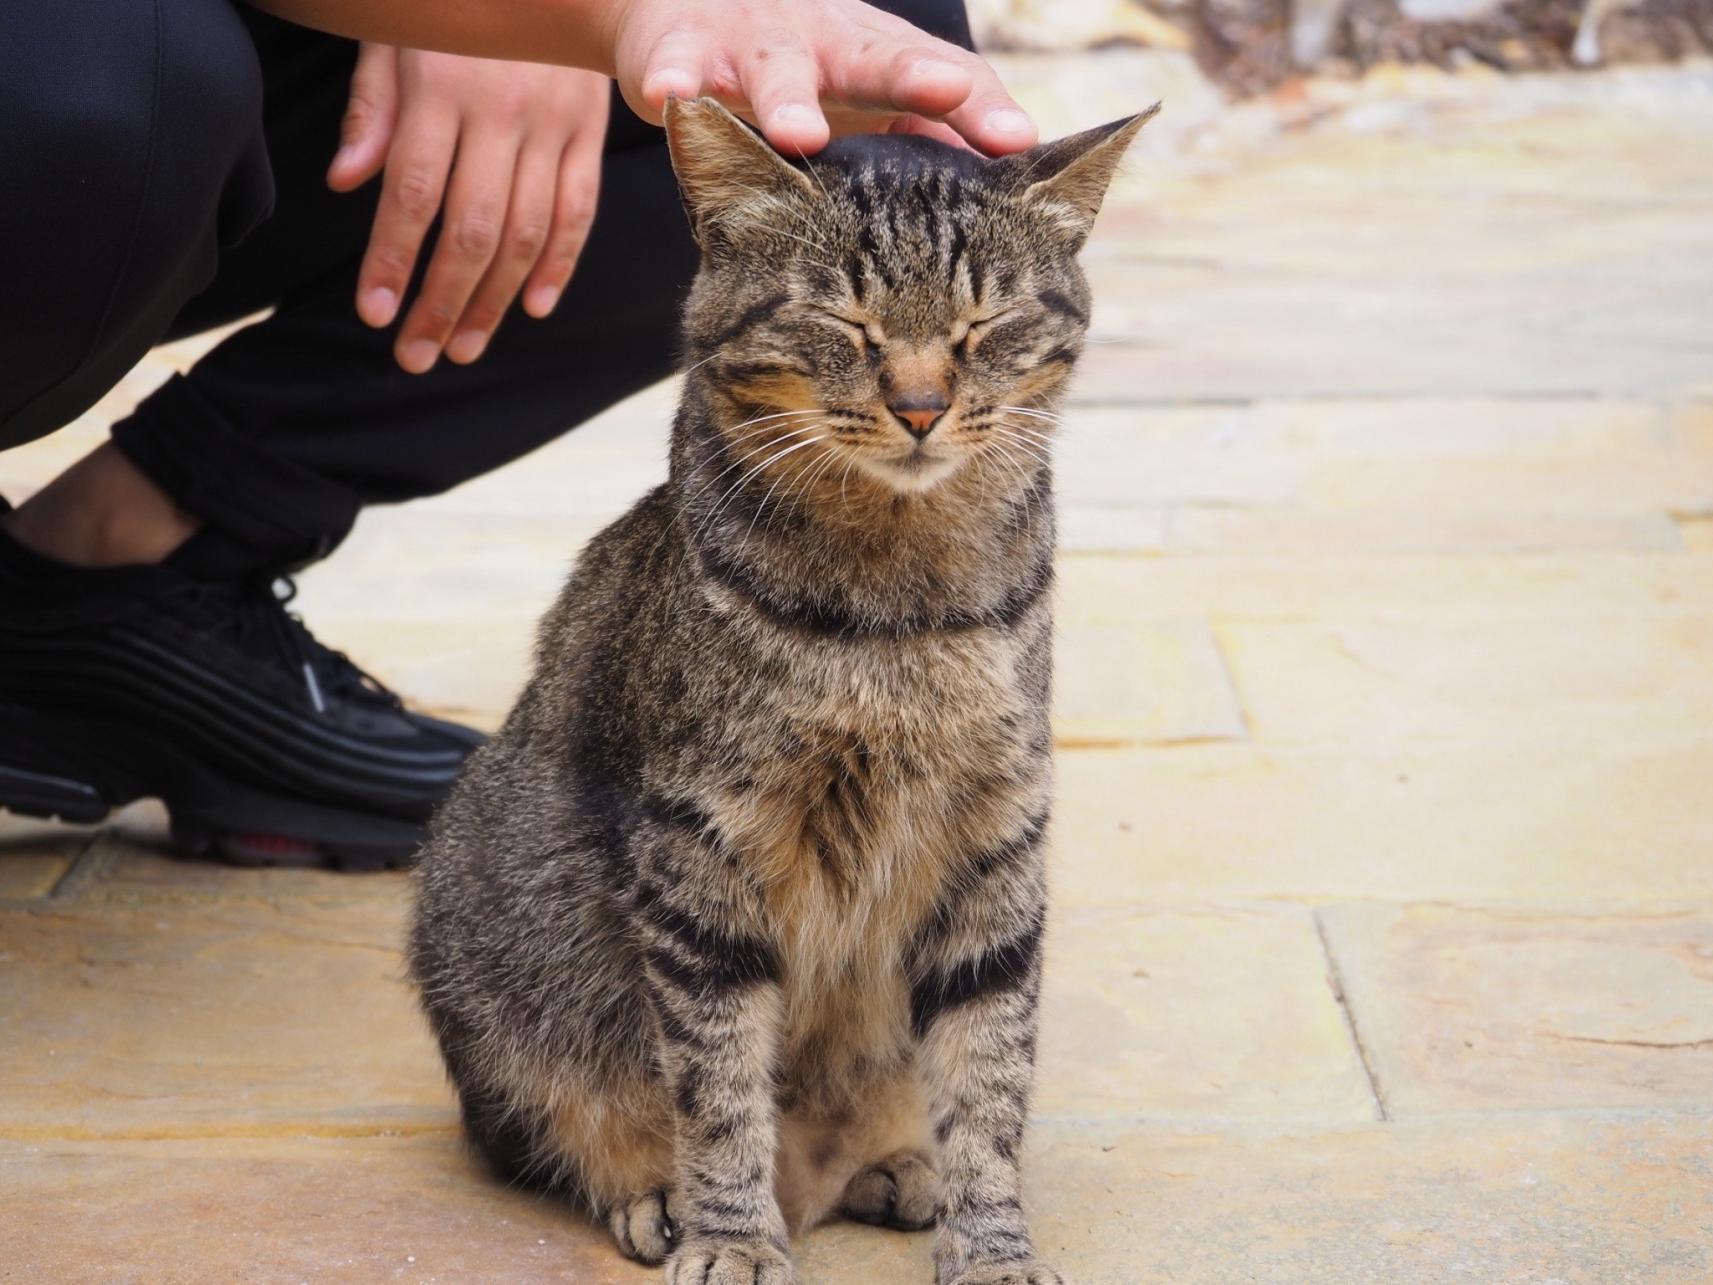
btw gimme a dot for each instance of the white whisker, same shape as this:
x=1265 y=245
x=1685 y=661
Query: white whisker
x=809 y=476
x=844 y=482
x=1053 y=416
x=782 y=435
x=1003 y=456
x=743 y=480
x=1036 y=439
x=776 y=481
x=1034 y=453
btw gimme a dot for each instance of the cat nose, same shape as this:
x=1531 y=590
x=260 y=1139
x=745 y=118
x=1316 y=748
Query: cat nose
x=918 y=414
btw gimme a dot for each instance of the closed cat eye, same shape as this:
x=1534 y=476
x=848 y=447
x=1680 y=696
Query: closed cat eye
x=974 y=331
x=873 y=338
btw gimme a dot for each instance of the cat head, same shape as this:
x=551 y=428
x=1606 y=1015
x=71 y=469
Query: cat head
x=908 y=305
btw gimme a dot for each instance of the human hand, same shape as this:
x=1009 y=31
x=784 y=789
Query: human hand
x=508 y=154
x=785 y=63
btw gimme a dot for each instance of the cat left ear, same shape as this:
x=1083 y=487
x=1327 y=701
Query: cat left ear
x=1069 y=176
x=724 y=167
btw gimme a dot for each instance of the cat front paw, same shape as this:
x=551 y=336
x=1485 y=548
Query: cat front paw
x=746 y=1262
x=1029 y=1273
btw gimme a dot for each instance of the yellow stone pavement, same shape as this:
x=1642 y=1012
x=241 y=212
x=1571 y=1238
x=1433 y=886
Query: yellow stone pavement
x=1383 y=942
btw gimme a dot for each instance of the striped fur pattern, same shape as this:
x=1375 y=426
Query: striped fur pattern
x=736 y=925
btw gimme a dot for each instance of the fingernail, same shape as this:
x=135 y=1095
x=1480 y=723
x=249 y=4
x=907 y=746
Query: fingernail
x=542 y=300
x=1008 y=120
x=379 y=305
x=671 y=82
x=793 y=114
x=467 y=345
x=931 y=66
x=419 y=356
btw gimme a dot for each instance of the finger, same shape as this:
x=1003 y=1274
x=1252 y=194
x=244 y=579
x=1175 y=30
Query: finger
x=675 y=68
x=883 y=74
x=990 y=117
x=470 y=231
x=411 y=189
x=938 y=81
x=529 y=220
x=576 y=200
x=939 y=131
x=783 y=84
x=370 y=114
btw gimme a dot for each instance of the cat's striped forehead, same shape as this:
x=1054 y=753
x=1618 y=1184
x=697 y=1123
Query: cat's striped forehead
x=916 y=227
x=909 y=221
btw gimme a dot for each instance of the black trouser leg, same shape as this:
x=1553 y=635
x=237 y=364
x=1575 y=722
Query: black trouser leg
x=130 y=152
x=282 y=432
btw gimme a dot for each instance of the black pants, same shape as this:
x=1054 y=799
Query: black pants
x=161 y=173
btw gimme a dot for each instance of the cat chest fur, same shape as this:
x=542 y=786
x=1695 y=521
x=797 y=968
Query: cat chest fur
x=881 y=768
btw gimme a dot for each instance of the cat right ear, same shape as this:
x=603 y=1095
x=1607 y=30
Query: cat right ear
x=1069 y=177
x=725 y=169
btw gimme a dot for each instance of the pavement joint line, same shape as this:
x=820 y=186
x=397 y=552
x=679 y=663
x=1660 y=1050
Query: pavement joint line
x=95 y=860
x=1232 y=688
x=85 y=868
x=1335 y=976
x=1084 y=743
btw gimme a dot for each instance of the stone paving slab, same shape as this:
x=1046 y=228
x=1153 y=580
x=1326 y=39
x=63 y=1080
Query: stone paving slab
x=1134 y=682
x=1602 y=819
x=1460 y=429
x=1219 y=1011
x=1470 y=1009
x=1631 y=482
x=1692 y=426
x=1357 y=585
x=1520 y=1198
x=1319 y=532
x=1497 y=679
x=229 y=1016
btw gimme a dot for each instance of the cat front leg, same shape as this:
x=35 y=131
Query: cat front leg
x=976 y=974
x=713 y=982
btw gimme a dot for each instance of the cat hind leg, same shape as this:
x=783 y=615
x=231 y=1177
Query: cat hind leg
x=901 y=1191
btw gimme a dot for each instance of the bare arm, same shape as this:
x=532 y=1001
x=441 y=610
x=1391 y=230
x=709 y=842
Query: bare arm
x=800 y=68
x=572 y=33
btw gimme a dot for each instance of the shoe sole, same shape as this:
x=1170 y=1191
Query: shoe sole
x=211 y=814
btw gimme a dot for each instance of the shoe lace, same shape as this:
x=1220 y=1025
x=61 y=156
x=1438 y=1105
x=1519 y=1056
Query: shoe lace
x=253 y=615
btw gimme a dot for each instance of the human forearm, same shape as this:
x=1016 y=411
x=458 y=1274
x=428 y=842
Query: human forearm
x=574 y=33
x=800 y=69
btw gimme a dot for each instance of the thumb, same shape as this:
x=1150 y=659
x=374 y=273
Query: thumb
x=367 y=128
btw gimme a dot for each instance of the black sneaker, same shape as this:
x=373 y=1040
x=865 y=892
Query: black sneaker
x=266 y=747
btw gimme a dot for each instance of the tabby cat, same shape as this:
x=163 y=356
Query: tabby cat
x=736 y=924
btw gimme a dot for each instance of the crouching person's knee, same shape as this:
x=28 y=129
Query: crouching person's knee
x=132 y=151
